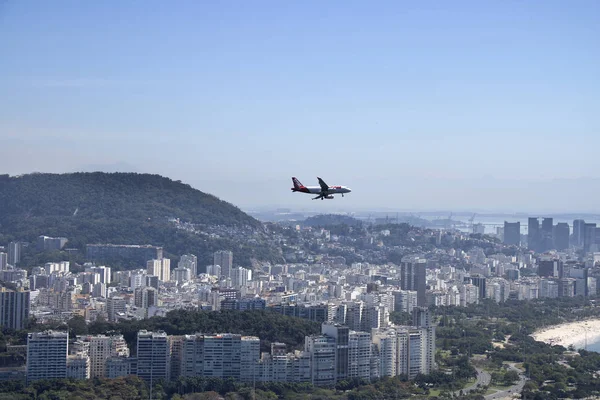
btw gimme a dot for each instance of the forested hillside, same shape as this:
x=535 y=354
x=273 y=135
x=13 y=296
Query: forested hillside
x=121 y=208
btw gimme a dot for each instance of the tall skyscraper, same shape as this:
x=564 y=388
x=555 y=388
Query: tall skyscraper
x=533 y=234
x=224 y=258
x=14 y=308
x=14 y=252
x=589 y=237
x=578 y=226
x=3 y=261
x=412 y=277
x=512 y=233
x=562 y=234
x=153 y=356
x=47 y=355
x=547 y=242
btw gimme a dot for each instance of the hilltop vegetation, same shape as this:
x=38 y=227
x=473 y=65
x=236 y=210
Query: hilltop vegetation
x=121 y=208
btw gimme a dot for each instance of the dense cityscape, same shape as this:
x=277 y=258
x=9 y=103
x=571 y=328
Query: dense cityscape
x=336 y=276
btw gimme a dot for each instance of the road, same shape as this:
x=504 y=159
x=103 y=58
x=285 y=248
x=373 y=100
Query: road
x=510 y=391
x=483 y=379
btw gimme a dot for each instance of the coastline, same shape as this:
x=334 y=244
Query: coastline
x=571 y=333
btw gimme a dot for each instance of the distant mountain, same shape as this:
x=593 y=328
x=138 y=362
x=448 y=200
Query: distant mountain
x=124 y=208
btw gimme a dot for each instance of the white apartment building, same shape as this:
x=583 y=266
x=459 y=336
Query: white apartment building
x=160 y=267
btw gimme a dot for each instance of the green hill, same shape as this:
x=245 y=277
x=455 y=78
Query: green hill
x=127 y=208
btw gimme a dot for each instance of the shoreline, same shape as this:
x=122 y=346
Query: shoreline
x=571 y=333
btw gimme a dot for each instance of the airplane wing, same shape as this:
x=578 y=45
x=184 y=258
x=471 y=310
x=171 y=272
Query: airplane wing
x=324 y=186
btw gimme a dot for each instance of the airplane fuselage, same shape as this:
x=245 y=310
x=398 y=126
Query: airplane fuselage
x=317 y=190
x=323 y=191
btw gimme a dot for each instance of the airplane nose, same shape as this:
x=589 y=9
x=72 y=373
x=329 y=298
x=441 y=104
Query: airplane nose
x=349 y=190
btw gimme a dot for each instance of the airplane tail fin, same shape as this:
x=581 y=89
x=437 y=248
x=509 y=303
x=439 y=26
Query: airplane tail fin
x=297 y=184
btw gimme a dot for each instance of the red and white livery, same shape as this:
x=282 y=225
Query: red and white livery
x=324 y=191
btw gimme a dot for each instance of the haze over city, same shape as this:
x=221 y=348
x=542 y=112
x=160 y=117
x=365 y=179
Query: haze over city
x=460 y=105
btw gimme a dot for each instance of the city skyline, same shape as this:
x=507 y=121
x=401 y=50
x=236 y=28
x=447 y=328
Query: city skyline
x=414 y=105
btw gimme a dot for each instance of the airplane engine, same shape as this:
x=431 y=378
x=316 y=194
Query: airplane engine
x=329 y=197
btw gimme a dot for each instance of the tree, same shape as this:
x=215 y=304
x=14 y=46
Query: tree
x=77 y=326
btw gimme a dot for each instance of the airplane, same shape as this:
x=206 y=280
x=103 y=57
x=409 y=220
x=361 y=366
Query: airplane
x=324 y=191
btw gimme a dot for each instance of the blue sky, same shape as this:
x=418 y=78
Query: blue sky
x=413 y=104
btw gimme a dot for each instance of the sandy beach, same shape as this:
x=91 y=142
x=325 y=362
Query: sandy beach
x=572 y=333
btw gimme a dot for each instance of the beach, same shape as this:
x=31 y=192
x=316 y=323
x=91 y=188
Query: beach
x=579 y=334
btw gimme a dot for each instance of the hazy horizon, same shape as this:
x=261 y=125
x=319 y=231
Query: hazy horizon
x=416 y=106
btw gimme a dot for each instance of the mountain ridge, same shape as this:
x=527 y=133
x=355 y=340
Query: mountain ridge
x=121 y=208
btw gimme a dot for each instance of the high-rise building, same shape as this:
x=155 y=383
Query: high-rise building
x=341 y=334
x=589 y=237
x=550 y=268
x=422 y=320
x=412 y=277
x=78 y=366
x=153 y=356
x=14 y=252
x=223 y=356
x=176 y=343
x=322 y=350
x=14 y=308
x=562 y=233
x=239 y=277
x=159 y=267
x=99 y=349
x=480 y=282
x=47 y=355
x=533 y=234
x=224 y=259
x=359 y=355
x=46 y=243
x=512 y=233
x=115 y=306
x=62 y=266
x=180 y=275
x=547 y=240
x=413 y=352
x=578 y=226
x=190 y=262
x=151 y=281
x=405 y=300
x=213 y=270
x=3 y=261
x=103 y=272
x=145 y=297
x=137 y=280
x=385 y=353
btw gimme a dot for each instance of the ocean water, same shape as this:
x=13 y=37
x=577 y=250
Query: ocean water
x=594 y=347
